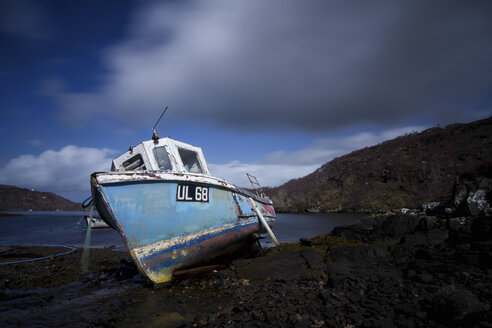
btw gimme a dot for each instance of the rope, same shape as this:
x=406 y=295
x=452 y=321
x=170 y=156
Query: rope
x=44 y=257
x=89 y=201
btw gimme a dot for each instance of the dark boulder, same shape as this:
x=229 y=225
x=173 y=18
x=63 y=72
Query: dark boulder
x=305 y=242
x=482 y=228
x=314 y=258
x=282 y=266
x=419 y=238
x=361 y=253
x=451 y=303
x=396 y=226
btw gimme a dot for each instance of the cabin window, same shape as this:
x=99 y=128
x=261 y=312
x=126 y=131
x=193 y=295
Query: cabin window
x=135 y=163
x=190 y=160
x=162 y=159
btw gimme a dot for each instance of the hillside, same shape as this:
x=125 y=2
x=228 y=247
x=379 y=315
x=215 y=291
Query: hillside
x=19 y=199
x=438 y=164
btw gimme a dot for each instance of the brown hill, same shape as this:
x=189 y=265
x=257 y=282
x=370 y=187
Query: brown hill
x=20 y=199
x=404 y=172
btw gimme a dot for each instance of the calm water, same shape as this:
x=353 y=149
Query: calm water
x=44 y=228
x=291 y=227
x=66 y=228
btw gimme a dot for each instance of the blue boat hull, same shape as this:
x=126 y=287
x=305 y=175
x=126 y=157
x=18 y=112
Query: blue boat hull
x=164 y=235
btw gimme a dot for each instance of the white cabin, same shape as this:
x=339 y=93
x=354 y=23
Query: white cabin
x=164 y=155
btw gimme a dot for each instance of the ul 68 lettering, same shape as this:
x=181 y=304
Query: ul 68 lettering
x=191 y=193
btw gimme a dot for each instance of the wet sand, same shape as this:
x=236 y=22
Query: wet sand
x=393 y=273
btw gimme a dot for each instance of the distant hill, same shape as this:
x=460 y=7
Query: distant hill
x=438 y=164
x=20 y=199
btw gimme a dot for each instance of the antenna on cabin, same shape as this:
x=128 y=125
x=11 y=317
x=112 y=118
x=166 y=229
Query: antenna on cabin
x=154 y=134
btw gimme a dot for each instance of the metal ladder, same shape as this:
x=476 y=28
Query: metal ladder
x=256 y=185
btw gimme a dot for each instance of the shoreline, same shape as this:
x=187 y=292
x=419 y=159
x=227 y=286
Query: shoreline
x=399 y=271
x=8 y=215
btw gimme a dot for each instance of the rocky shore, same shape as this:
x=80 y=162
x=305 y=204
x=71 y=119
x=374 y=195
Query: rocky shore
x=396 y=271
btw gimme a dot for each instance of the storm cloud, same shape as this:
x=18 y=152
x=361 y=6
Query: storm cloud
x=310 y=66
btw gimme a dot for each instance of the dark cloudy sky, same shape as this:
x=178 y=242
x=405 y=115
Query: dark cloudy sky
x=275 y=88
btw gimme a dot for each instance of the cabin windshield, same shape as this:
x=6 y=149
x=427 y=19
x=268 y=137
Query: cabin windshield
x=190 y=160
x=162 y=158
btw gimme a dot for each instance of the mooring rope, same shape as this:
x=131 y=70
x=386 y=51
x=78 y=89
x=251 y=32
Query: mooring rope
x=85 y=255
x=72 y=249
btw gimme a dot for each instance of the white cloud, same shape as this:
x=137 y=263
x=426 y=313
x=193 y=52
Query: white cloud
x=281 y=166
x=64 y=172
x=267 y=174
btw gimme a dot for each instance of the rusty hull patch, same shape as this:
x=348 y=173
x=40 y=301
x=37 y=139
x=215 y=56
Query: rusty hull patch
x=158 y=260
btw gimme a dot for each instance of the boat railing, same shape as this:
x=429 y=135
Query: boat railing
x=256 y=186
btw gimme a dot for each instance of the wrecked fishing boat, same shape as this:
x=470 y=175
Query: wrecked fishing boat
x=169 y=210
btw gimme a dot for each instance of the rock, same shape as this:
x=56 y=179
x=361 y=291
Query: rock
x=416 y=239
x=314 y=259
x=201 y=320
x=368 y=230
x=400 y=253
x=407 y=211
x=449 y=210
x=477 y=203
x=430 y=206
x=460 y=195
x=396 y=226
x=340 y=269
x=427 y=223
x=485 y=254
x=437 y=236
x=348 y=232
x=305 y=242
x=469 y=257
x=482 y=228
x=361 y=253
x=404 y=210
x=410 y=274
x=126 y=271
x=282 y=266
x=424 y=278
x=405 y=323
x=338 y=273
x=460 y=223
x=451 y=303
x=460 y=228
x=168 y=320
x=423 y=254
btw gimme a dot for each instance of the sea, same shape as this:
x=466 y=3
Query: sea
x=69 y=229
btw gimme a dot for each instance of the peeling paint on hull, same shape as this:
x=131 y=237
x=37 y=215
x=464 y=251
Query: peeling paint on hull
x=164 y=235
x=160 y=259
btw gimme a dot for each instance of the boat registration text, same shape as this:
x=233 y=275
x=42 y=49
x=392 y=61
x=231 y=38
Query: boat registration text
x=191 y=193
